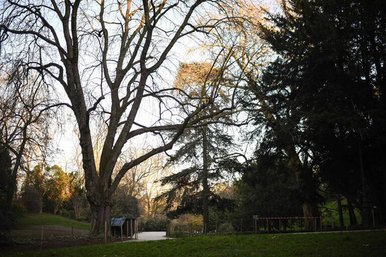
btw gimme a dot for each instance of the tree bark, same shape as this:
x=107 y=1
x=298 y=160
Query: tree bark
x=340 y=211
x=310 y=209
x=205 y=186
x=365 y=208
x=307 y=214
x=101 y=217
x=351 y=212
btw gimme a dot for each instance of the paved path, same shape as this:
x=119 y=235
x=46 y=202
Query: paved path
x=152 y=236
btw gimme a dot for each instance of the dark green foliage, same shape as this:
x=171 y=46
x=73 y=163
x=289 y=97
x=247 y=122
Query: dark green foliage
x=190 y=146
x=226 y=228
x=328 y=82
x=203 y=149
x=156 y=223
x=8 y=211
x=32 y=199
x=220 y=208
x=6 y=182
x=268 y=189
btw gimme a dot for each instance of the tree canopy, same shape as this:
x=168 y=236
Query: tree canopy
x=328 y=83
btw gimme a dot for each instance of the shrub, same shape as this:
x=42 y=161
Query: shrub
x=186 y=224
x=226 y=228
x=8 y=219
x=32 y=199
x=67 y=213
x=156 y=223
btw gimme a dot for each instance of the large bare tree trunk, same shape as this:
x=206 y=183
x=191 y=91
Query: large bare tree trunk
x=100 y=218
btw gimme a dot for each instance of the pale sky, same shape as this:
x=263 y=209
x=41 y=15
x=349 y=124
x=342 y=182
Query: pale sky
x=66 y=140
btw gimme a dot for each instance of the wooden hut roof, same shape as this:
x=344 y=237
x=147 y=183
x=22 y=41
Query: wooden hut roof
x=118 y=221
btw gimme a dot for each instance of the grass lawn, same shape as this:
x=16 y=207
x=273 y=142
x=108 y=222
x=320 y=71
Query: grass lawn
x=363 y=244
x=29 y=220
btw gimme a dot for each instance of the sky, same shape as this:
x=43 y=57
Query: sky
x=65 y=140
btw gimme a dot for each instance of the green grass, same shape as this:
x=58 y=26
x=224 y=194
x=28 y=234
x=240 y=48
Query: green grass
x=330 y=214
x=359 y=244
x=29 y=220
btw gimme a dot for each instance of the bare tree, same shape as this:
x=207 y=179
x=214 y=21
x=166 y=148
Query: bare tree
x=152 y=186
x=134 y=180
x=108 y=57
x=24 y=106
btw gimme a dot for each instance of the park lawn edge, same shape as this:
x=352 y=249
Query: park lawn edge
x=353 y=244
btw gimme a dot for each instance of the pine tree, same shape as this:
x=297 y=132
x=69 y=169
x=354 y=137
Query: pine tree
x=201 y=147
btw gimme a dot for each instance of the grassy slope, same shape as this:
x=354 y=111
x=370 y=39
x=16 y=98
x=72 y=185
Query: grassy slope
x=371 y=244
x=29 y=220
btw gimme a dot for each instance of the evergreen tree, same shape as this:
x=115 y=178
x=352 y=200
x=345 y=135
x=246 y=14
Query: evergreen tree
x=202 y=146
x=329 y=76
x=5 y=178
x=267 y=188
x=6 y=193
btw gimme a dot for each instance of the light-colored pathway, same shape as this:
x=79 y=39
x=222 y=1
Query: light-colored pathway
x=152 y=236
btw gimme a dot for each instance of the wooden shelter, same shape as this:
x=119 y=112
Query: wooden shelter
x=124 y=227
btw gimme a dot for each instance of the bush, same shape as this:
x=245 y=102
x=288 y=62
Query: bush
x=226 y=228
x=8 y=220
x=186 y=224
x=67 y=213
x=157 y=223
x=32 y=199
